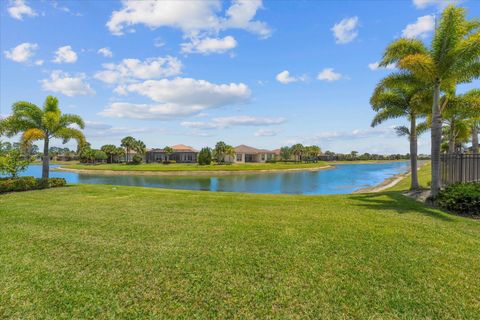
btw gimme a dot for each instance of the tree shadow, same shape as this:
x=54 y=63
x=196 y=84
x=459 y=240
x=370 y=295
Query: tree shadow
x=395 y=201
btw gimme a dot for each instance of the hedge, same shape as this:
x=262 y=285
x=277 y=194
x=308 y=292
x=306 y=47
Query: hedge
x=29 y=183
x=461 y=198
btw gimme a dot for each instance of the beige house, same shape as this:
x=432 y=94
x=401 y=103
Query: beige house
x=181 y=154
x=245 y=153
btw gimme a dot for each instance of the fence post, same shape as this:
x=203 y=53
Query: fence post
x=461 y=168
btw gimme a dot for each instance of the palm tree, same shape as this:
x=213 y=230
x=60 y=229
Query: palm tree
x=128 y=143
x=168 y=151
x=285 y=153
x=110 y=150
x=297 y=151
x=401 y=95
x=140 y=147
x=45 y=123
x=453 y=58
x=472 y=100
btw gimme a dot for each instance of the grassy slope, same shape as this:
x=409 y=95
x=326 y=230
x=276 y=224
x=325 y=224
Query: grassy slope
x=196 y=167
x=121 y=252
x=424 y=177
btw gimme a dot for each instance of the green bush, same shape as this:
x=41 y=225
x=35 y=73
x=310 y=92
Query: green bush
x=205 y=156
x=29 y=183
x=461 y=198
x=136 y=159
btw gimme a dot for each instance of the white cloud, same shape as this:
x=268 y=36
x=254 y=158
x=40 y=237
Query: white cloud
x=265 y=133
x=67 y=84
x=376 y=65
x=22 y=53
x=441 y=4
x=176 y=98
x=209 y=45
x=131 y=69
x=65 y=55
x=420 y=28
x=18 y=9
x=99 y=130
x=285 y=77
x=345 y=30
x=39 y=62
x=329 y=75
x=225 y=122
x=192 y=17
x=106 y=52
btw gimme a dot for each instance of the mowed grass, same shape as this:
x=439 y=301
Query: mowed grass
x=98 y=252
x=424 y=178
x=196 y=167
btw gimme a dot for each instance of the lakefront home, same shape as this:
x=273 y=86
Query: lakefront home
x=181 y=154
x=244 y=153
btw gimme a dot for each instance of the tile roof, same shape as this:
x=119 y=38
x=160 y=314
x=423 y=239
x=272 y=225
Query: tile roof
x=250 y=150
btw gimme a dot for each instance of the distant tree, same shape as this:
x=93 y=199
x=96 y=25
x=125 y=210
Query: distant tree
x=5 y=146
x=219 y=151
x=140 y=147
x=205 y=156
x=42 y=124
x=297 y=151
x=110 y=150
x=285 y=153
x=168 y=152
x=137 y=159
x=100 y=155
x=129 y=144
x=354 y=154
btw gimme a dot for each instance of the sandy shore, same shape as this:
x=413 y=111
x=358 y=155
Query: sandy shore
x=386 y=184
x=187 y=173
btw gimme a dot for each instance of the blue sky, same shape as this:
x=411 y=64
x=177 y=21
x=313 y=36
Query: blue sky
x=246 y=72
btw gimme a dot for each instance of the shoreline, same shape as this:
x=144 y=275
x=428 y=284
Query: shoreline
x=189 y=173
x=385 y=184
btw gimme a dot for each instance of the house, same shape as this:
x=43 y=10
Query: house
x=181 y=154
x=245 y=153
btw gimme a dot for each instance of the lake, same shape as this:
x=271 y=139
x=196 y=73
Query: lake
x=344 y=178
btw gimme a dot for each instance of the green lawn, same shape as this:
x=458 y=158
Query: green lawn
x=424 y=177
x=123 y=252
x=196 y=167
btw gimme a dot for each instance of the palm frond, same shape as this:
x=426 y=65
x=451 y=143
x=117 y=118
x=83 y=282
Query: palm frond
x=420 y=65
x=422 y=128
x=69 y=119
x=70 y=133
x=51 y=105
x=387 y=114
x=401 y=48
x=402 y=131
x=32 y=135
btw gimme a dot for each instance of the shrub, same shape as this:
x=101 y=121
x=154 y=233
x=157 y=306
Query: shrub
x=205 y=156
x=461 y=198
x=137 y=159
x=29 y=183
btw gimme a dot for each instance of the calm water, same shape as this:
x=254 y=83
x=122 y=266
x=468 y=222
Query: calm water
x=345 y=178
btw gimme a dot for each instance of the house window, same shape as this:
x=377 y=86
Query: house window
x=239 y=157
x=263 y=157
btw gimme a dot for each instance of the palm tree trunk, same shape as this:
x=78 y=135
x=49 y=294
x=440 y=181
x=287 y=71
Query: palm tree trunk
x=46 y=159
x=436 y=137
x=475 y=139
x=413 y=153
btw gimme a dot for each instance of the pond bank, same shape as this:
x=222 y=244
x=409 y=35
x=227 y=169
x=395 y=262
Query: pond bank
x=189 y=173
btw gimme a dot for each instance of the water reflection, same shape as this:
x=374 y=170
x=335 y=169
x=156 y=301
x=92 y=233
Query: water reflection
x=345 y=178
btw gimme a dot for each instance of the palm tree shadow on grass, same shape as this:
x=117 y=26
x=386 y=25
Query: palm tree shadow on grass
x=395 y=201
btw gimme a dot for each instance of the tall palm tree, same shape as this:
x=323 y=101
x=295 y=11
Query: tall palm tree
x=129 y=144
x=110 y=151
x=400 y=95
x=45 y=123
x=297 y=151
x=454 y=57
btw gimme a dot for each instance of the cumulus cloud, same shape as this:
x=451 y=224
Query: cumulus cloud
x=345 y=31
x=376 y=65
x=209 y=45
x=69 y=85
x=441 y=4
x=176 y=98
x=265 y=133
x=65 y=55
x=420 y=28
x=285 y=77
x=192 y=17
x=225 y=122
x=106 y=52
x=18 y=8
x=133 y=69
x=329 y=75
x=21 y=53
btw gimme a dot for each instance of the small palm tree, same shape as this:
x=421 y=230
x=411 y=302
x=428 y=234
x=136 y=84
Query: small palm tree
x=110 y=150
x=297 y=151
x=129 y=144
x=400 y=95
x=168 y=151
x=453 y=58
x=45 y=123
